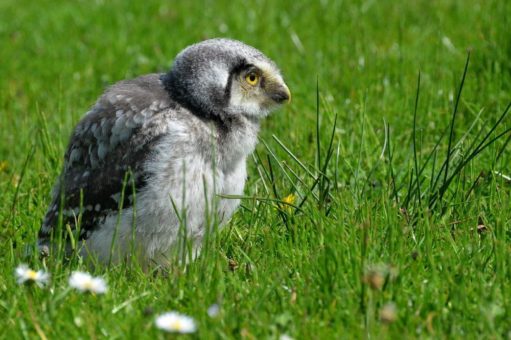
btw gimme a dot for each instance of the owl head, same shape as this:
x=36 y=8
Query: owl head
x=223 y=78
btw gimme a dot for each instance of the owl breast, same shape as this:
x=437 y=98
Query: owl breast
x=184 y=189
x=232 y=184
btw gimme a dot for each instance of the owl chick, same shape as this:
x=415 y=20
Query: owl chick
x=155 y=152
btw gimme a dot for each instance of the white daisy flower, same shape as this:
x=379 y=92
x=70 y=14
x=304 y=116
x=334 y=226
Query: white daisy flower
x=285 y=337
x=26 y=275
x=84 y=282
x=175 y=322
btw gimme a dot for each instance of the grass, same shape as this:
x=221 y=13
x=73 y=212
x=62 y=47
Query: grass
x=400 y=197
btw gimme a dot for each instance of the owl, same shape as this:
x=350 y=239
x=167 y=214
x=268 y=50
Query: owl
x=155 y=156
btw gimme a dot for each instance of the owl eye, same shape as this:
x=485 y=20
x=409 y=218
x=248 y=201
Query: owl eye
x=252 y=78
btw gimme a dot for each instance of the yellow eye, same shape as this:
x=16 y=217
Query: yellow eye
x=252 y=78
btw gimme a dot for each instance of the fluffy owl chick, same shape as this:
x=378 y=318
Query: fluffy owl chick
x=155 y=152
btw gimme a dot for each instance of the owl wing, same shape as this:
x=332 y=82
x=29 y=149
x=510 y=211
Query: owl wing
x=114 y=139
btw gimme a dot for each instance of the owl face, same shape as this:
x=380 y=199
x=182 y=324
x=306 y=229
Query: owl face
x=256 y=90
x=225 y=78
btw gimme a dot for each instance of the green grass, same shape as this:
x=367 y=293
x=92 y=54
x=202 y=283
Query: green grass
x=365 y=166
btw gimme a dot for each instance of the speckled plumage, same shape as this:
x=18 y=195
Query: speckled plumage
x=180 y=138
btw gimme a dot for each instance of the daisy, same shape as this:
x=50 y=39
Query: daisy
x=175 y=322
x=25 y=274
x=85 y=282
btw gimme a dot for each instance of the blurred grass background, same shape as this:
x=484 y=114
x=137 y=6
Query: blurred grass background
x=301 y=276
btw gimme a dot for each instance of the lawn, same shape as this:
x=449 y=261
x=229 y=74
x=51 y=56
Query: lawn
x=393 y=154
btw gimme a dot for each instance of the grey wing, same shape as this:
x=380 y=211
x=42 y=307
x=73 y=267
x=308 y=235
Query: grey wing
x=115 y=138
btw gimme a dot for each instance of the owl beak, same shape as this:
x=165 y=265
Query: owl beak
x=280 y=94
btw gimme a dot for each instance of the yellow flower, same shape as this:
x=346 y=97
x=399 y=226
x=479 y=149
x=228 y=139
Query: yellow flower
x=287 y=202
x=289 y=199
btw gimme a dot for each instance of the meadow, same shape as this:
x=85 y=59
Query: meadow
x=378 y=203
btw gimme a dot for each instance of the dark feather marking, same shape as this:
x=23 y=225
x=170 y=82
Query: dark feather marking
x=179 y=92
x=100 y=179
x=235 y=71
x=101 y=185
